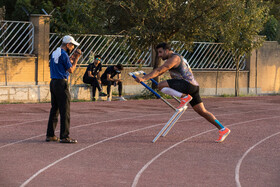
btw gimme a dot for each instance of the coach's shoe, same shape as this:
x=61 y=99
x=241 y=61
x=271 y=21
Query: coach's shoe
x=102 y=94
x=68 y=140
x=184 y=101
x=52 y=139
x=122 y=98
x=222 y=135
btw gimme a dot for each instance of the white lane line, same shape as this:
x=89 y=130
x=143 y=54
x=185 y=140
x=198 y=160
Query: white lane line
x=21 y=123
x=45 y=119
x=73 y=153
x=102 y=141
x=39 y=120
x=237 y=169
x=138 y=175
x=89 y=124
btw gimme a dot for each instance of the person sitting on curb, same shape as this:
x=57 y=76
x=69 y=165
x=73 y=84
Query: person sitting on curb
x=108 y=79
x=92 y=76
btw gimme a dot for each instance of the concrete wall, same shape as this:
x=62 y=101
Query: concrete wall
x=29 y=92
x=17 y=71
x=264 y=67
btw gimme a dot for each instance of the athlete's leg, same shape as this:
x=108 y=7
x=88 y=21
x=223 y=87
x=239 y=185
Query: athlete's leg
x=164 y=88
x=120 y=87
x=223 y=132
x=201 y=110
x=162 y=84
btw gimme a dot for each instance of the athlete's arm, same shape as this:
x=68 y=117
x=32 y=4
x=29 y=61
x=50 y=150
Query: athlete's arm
x=120 y=77
x=90 y=74
x=170 y=63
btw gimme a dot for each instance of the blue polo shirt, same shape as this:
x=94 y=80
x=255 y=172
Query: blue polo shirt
x=59 y=70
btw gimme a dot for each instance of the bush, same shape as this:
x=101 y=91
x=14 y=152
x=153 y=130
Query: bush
x=272 y=29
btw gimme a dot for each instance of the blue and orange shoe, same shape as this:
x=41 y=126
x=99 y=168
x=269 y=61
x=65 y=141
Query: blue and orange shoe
x=184 y=101
x=222 y=135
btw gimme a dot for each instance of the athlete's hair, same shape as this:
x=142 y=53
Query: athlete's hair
x=98 y=56
x=163 y=46
x=119 y=66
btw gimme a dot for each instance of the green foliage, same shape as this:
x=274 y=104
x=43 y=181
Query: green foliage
x=32 y=6
x=9 y=7
x=275 y=8
x=272 y=29
x=77 y=17
x=155 y=21
x=239 y=29
x=240 y=26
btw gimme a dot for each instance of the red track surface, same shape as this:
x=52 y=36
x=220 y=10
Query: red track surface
x=115 y=146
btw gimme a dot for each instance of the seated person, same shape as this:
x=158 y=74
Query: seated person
x=92 y=76
x=108 y=79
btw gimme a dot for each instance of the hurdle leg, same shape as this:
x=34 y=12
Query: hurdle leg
x=167 y=124
x=174 y=121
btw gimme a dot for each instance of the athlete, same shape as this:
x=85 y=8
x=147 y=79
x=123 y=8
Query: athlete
x=108 y=78
x=92 y=76
x=182 y=84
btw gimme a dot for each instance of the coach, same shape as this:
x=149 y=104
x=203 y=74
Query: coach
x=60 y=67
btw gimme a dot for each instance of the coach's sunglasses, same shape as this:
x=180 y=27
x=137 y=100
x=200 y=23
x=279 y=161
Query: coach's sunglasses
x=99 y=59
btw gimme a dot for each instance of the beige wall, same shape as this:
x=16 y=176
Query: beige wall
x=267 y=67
x=17 y=70
x=264 y=69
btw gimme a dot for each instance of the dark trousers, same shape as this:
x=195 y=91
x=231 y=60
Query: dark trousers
x=109 y=84
x=94 y=84
x=60 y=101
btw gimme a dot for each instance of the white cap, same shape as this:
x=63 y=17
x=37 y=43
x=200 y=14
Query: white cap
x=69 y=39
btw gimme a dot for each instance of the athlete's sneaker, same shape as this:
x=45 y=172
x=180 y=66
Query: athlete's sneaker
x=101 y=94
x=108 y=99
x=122 y=98
x=184 y=101
x=222 y=135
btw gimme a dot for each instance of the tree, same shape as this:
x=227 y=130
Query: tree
x=154 y=21
x=235 y=23
x=83 y=16
x=165 y=20
x=274 y=8
x=14 y=8
x=271 y=29
x=239 y=29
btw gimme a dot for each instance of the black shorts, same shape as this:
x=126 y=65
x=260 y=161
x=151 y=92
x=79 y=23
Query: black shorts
x=187 y=88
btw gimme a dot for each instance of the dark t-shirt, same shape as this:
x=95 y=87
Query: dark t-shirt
x=110 y=70
x=94 y=69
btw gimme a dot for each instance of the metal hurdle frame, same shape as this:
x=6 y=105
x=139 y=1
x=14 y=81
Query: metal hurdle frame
x=178 y=112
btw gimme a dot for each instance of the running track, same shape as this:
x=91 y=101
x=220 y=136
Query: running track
x=115 y=146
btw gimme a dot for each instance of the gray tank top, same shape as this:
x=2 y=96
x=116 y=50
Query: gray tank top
x=183 y=71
